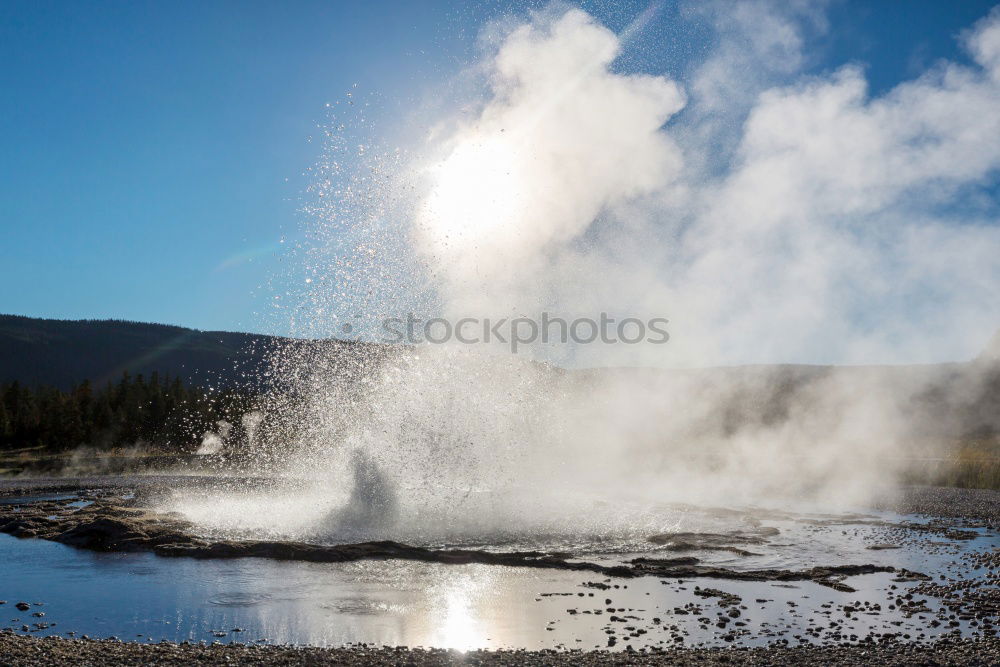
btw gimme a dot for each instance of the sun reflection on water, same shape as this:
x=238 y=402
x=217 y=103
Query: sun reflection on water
x=461 y=626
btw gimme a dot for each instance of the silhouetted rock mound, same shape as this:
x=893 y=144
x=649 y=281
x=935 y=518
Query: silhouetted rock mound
x=714 y=541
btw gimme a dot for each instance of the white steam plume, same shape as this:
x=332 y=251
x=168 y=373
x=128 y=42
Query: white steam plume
x=569 y=191
x=561 y=140
x=213 y=441
x=777 y=218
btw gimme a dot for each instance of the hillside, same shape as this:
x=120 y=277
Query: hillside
x=62 y=352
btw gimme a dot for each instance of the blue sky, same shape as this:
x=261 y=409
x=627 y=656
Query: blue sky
x=153 y=155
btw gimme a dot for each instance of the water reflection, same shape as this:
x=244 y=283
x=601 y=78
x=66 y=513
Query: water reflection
x=460 y=628
x=141 y=596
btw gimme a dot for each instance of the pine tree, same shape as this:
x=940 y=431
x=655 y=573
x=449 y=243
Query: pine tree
x=5 y=424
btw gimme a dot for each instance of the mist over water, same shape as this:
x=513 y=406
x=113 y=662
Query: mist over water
x=770 y=217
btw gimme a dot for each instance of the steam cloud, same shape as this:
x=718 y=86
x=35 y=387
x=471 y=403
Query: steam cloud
x=833 y=208
x=771 y=216
x=562 y=140
x=213 y=441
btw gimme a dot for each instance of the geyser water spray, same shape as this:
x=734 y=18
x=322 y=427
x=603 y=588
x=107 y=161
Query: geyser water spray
x=575 y=187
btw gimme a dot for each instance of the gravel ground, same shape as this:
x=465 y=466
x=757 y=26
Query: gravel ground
x=21 y=650
x=980 y=504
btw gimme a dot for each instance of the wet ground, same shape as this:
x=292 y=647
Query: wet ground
x=722 y=577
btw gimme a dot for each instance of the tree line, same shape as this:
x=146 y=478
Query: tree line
x=158 y=411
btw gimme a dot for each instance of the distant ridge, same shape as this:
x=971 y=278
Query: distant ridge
x=61 y=353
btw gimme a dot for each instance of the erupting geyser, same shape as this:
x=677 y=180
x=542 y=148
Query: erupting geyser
x=580 y=189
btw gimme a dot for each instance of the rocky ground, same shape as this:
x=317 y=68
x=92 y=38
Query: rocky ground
x=978 y=504
x=20 y=650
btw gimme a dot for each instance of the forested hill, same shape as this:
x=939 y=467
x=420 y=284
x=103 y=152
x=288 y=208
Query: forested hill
x=61 y=353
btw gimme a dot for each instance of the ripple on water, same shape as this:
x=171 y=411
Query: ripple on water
x=239 y=598
x=358 y=607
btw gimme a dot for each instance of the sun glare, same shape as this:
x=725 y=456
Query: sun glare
x=477 y=192
x=460 y=626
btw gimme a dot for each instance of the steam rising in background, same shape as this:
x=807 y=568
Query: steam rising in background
x=841 y=228
x=212 y=442
x=771 y=217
